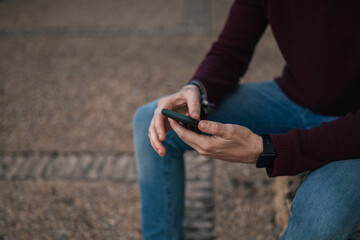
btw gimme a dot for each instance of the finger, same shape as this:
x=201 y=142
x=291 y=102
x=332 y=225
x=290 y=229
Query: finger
x=214 y=128
x=159 y=124
x=193 y=103
x=191 y=138
x=159 y=119
x=174 y=124
x=155 y=141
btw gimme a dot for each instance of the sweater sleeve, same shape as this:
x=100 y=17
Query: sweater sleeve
x=303 y=150
x=230 y=55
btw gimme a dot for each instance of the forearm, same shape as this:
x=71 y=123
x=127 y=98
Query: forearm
x=230 y=55
x=302 y=150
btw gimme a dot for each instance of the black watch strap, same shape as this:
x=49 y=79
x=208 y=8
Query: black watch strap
x=268 y=155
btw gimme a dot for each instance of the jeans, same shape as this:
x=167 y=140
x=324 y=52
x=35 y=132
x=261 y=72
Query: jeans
x=327 y=205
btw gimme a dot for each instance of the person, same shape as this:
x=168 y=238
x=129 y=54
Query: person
x=306 y=120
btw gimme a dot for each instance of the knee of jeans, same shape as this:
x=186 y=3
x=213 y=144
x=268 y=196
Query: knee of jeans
x=174 y=145
x=141 y=122
x=143 y=116
x=317 y=222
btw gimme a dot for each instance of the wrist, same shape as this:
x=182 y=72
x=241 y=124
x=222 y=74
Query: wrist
x=268 y=154
x=188 y=86
x=257 y=148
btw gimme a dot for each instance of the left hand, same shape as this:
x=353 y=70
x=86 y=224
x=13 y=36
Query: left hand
x=229 y=142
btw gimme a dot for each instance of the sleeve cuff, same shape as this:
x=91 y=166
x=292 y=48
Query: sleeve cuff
x=285 y=164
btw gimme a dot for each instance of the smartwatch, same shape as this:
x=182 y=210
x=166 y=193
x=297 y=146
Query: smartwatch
x=268 y=155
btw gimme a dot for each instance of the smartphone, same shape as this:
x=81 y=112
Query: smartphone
x=187 y=122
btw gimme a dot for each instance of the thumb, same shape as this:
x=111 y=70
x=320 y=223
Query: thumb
x=213 y=128
x=193 y=103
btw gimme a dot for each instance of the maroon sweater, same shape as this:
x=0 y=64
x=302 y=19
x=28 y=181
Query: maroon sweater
x=320 y=42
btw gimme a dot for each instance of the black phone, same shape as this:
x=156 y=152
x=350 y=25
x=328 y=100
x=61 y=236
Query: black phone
x=187 y=122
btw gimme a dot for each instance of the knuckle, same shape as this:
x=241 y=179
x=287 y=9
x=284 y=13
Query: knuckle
x=180 y=96
x=161 y=100
x=206 y=146
x=156 y=111
x=231 y=129
x=193 y=103
x=180 y=135
x=217 y=128
x=201 y=152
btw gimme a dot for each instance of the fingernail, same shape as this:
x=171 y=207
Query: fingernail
x=195 y=114
x=159 y=151
x=160 y=136
x=204 y=125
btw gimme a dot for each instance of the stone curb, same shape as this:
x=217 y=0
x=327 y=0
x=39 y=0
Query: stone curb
x=199 y=203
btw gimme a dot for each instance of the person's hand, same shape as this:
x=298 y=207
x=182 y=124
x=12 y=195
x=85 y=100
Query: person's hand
x=228 y=142
x=186 y=101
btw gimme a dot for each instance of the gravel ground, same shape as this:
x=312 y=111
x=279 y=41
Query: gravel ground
x=244 y=203
x=90 y=85
x=69 y=210
x=76 y=209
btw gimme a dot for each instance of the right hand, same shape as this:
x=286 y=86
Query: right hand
x=185 y=101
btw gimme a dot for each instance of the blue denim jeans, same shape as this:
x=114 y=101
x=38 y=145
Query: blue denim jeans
x=327 y=205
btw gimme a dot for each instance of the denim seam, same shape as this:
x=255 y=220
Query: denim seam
x=169 y=201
